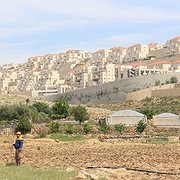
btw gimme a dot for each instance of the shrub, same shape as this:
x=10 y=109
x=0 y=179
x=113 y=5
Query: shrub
x=148 y=112
x=104 y=127
x=80 y=113
x=157 y=83
x=173 y=79
x=70 y=128
x=54 y=127
x=87 y=127
x=57 y=116
x=141 y=126
x=24 y=125
x=42 y=107
x=120 y=128
x=42 y=118
x=12 y=112
x=42 y=134
x=61 y=108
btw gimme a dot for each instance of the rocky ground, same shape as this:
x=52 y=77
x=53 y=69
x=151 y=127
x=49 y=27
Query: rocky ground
x=99 y=159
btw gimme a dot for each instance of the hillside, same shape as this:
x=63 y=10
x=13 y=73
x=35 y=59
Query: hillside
x=157 y=105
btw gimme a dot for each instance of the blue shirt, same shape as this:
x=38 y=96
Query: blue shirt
x=19 y=142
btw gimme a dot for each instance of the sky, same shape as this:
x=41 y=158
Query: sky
x=38 y=27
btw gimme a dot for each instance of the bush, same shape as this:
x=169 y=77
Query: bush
x=61 y=108
x=24 y=125
x=148 y=112
x=104 y=127
x=57 y=116
x=70 y=128
x=80 y=114
x=54 y=127
x=173 y=79
x=42 y=107
x=120 y=128
x=13 y=112
x=157 y=83
x=87 y=127
x=141 y=126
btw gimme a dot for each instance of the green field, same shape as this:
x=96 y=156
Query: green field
x=67 y=138
x=31 y=173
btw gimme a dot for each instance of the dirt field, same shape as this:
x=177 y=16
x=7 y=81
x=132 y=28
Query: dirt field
x=82 y=154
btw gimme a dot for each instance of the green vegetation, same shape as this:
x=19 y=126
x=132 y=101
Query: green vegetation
x=61 y=108
x=42 y=107
x=173 y=79
x=157 y=83
x=141 y=126
x=104 y=127
x=120 y=128
x=24 y=125
x=67 y=138
x=87 y=127
x=70 y=128
x=148 y=112
x=31 y=173
x=80 y=114
x=54 y=127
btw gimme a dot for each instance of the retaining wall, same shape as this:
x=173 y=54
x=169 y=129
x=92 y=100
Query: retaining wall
x=111 y=92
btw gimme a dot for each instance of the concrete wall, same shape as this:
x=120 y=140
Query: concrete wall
x=158 y=91
x=166 y=93
x=111 y=92
x=167 y=122
x=139 y=95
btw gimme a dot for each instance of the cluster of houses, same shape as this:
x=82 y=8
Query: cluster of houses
x=73 y=69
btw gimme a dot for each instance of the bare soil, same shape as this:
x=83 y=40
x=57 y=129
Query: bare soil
x=47 y=153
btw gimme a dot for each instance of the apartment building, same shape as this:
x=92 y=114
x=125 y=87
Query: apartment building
x=100 y=57
x=172 y=47
x=136 y=52
x=116 y=55
x=73 y=55
x=176 y=65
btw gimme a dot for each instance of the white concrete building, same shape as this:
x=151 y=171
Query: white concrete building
x=136 y=52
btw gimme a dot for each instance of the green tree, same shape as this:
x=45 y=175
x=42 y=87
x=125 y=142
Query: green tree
x=148 y=112
x=80 y=114
x=42 y=107
x=141 y=126
x=24 y=125
x=61 y=108
x=120 y=128
x=173 y=79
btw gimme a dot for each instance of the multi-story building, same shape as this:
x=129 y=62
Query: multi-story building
x=100 y=57
x=136 y=52
x=172 y=47
x=116 y=55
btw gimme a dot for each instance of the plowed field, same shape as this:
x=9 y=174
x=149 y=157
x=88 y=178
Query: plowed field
x=48 y=153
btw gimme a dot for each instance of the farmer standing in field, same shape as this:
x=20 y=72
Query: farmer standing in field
x=18 y=146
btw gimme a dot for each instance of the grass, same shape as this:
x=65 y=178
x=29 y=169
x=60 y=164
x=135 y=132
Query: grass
x=67 y=138
x=31 y=173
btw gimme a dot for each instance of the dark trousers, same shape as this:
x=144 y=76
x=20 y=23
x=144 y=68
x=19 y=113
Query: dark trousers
x=18 y=156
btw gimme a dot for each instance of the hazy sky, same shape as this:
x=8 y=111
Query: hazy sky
x=37 y=27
